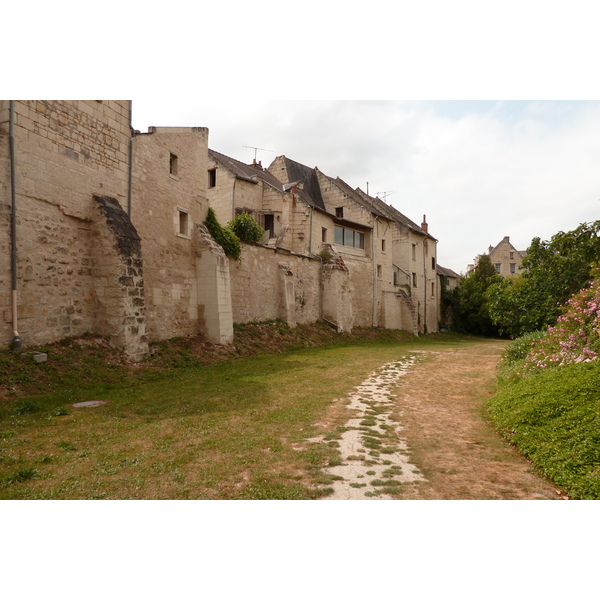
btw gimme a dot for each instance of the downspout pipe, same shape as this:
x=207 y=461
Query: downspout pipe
x=374 y=272
x=16 y=343
x=130 y=161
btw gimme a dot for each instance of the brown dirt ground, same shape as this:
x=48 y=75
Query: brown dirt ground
x=450 y=438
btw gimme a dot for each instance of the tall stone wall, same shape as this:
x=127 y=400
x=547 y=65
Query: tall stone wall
x=166 y=209
x=65 y=152
x=265 y=280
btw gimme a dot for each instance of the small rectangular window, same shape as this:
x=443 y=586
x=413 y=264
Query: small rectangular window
x=212 y=178
x=513 y=267
x=383 y=245
x=414 y=252
x=378 y=271
x=184 y=222
x=339 y=212
x=512 y=255
x=433 y=262
x=432 y=289
x=498 y=266
x=323 y=234
x=173 y=165
x=414 y=280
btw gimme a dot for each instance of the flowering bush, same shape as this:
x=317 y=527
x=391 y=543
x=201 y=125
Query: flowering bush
x=576 y=336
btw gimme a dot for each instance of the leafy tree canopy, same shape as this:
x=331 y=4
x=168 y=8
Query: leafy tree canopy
x=555 y=270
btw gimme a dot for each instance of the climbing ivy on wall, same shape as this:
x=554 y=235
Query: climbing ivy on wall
x=224 y=236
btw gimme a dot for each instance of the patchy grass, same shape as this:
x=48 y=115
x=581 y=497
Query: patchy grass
x=193 y=421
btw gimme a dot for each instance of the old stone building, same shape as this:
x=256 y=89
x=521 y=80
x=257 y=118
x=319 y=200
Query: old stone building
x=108 y=236
x=505 y=258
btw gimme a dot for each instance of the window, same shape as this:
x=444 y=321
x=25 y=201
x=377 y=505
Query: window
x=383 y=245
x=414 y=280
x=378 y=271
x=512 y=255
x=498 y=266
x=173 y=165
x=513 y=267
x=395 y=278
x=339 y=212
x=433 y=262
x=323 y=234
x=414 y=252
x=269 y=226
x=349 y=237
x=432 y=289
x=183 y=222
x=212 y=178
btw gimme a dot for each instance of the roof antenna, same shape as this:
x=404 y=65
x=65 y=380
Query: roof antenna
x=256 y=150
x=385 y=194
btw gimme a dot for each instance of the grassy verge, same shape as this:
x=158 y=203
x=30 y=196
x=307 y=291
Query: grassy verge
x=190 y=422
x=553 y=417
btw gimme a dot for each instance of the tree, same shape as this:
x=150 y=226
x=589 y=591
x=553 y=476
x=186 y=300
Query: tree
x=556 y=269
x=471 y=313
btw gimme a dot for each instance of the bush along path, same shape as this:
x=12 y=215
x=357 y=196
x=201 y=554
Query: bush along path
x=419 y=430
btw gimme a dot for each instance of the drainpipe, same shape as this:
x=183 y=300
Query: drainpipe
x=310 y=231
x=16 y=343
x=130 y=162
x=233 y=199
x=374 y=273
x=425 y=289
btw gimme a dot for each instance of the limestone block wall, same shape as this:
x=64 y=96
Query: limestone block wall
x=215 y=314
x=65 y=152
x=168 y=202
x=68 y=150
x=118 y=278
x=56 y=295
x=361 y=281
x=264 y=280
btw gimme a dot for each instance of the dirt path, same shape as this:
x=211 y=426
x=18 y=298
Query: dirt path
x=419 y=431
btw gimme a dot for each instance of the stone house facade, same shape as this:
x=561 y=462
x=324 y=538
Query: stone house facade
x=109 y=236
x=505 y=257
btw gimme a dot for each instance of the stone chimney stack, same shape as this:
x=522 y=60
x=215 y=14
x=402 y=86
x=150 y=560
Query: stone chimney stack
x=424 y=225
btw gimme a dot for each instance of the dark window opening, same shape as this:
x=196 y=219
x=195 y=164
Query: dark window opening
x=270 y=225
x=339 y=212
x=173 y=165
x=212 y=178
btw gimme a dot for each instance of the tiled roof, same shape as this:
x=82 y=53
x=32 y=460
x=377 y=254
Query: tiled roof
x=299 y=172
x=444 y=271
x=246 y=172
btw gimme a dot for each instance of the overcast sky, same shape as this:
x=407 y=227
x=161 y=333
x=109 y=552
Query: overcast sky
x=479 y=170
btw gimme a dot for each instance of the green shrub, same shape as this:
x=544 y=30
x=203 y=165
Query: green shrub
x=520 y=348
x=246 y=228
x=224 y=236
x=553 y=420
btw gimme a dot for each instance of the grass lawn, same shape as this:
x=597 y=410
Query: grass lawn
x=230 y=430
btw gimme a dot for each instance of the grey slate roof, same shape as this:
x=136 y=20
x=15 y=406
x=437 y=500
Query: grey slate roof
x=299 y=172
x=447 y=272
x=246 y=172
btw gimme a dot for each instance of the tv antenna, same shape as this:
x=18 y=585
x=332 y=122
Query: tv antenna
x=256 y=149
x=385 y=194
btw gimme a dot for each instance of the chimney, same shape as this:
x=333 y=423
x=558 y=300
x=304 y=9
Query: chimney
x=424 y=225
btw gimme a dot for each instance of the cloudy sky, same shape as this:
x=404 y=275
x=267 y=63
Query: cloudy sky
x=479 y=170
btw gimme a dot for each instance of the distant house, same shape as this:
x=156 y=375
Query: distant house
x=448 y=280
x=505 y=258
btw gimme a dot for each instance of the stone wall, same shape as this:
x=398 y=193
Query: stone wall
x=265 y=280
x=65 y=152
x=166 y=209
